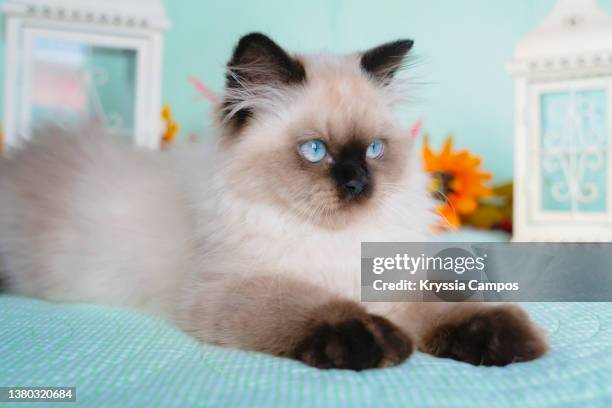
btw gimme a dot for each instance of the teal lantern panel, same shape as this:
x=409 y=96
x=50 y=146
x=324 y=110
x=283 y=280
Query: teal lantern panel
x=573 y=144
x=73 y=82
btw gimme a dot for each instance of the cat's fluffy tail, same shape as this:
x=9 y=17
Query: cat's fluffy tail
x=86 y=218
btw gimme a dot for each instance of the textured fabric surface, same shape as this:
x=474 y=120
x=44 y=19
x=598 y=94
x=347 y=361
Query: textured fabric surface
x=119 y=358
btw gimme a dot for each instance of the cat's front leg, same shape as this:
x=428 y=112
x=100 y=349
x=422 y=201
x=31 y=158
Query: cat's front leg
x=481 y=334
x=286 y=317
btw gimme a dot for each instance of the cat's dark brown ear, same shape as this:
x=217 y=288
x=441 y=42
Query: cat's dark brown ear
x=382 y=62
x=259 y=61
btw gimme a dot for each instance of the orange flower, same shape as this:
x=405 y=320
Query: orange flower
x=172 y=127
x=457 y=181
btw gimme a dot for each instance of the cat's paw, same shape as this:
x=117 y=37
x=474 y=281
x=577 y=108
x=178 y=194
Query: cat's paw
x=495 y=336
x=357 y=343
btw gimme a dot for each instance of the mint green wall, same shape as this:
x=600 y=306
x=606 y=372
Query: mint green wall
x=462 y=46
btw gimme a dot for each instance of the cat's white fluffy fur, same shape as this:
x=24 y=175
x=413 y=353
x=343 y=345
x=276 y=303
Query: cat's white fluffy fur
x=85 y=219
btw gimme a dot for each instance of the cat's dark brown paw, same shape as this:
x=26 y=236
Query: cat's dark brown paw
x=356 y=343
x=495 y=336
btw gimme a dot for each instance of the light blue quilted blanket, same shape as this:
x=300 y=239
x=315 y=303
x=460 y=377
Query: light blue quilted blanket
x=119 y=358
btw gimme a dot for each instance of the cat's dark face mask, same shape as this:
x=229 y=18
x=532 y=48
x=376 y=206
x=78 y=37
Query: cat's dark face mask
x=351 y=173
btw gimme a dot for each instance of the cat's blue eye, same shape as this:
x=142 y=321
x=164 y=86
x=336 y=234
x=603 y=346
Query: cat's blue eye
x=375 y=149
x=313 y=150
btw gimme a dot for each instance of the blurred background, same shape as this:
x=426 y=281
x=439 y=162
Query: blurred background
x=461 y=82
x=462 y=49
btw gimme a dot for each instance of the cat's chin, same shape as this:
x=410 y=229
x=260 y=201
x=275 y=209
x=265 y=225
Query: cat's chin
x=339 y=216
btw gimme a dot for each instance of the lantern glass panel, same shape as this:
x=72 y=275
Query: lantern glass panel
x=573 y=143
x=72 y=81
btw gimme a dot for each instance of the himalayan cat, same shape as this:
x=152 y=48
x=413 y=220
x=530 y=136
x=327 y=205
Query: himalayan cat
x=254 y=242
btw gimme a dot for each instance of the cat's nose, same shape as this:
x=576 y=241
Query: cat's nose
x=353 y=179
x=356 y=186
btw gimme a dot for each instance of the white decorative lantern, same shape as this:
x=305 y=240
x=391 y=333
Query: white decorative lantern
x=563 y=91
x=67 y=60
